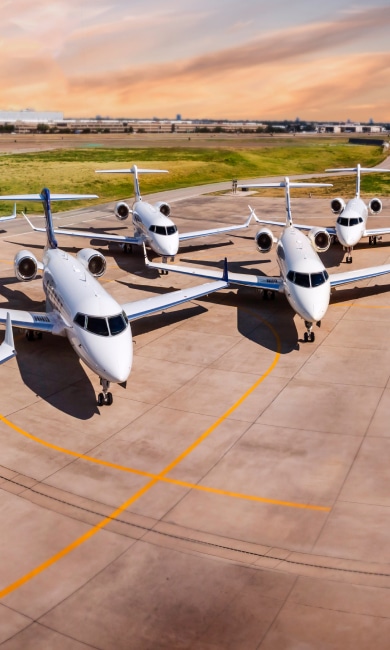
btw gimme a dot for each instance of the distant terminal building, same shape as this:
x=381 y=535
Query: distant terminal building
x=350 y=127
x=29 y=115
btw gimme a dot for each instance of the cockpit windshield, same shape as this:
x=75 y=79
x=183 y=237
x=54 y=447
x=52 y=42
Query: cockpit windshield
x=102 y=326
x=308 y=279
x=163 y=230
x=343 y=221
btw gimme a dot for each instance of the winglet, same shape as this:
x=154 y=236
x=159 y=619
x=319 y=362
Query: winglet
x=9 y=217
x=7 y=348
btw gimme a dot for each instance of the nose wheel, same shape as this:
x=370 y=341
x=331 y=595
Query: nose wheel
x=105 y=397
x=348 y=258
x=309 y=335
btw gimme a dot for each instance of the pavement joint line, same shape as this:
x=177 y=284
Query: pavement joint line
x=138 y=494
x=178 y=482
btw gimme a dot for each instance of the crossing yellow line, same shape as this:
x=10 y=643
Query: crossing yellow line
x=154 y=479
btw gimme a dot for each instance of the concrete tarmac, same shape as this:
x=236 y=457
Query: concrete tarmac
x=236 y=495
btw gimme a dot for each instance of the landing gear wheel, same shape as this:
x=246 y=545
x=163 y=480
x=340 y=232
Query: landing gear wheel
x=100 y=399
x=349 y=259
x=306 y=337
x=311 y=337
x=109 y=399
x=128 y=248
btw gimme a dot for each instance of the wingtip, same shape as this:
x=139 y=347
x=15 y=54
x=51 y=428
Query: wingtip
x=225 y=276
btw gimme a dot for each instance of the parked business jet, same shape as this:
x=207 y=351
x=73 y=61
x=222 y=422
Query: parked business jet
x=80 y=308
x=351 y=223
x=303 y=278
x=152 y=225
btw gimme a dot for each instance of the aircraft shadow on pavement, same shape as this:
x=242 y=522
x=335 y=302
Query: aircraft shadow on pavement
x=52 y=370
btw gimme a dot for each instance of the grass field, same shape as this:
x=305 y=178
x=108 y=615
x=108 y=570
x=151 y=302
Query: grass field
x=73 y=170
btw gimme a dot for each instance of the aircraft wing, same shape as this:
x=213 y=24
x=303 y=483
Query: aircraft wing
x=30 y=320
x=243 y=279
x=373 y=232
x=338 y=279
x=299 y=226
x=7 y=348
x=213 y=231
x=90 y=234
x=148 y=306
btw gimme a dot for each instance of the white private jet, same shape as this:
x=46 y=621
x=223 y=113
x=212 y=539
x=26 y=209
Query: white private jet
x=152 y=225
x=303 y=278
x=80 y=308
x=351 y=224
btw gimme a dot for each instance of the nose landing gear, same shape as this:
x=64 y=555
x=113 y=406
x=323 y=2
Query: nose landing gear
x=348 y=258
x=309 y=334
x=105 y=397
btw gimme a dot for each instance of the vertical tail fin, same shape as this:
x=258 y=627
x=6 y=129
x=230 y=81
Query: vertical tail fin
x=51 y=240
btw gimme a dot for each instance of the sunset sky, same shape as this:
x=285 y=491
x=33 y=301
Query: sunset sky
x=246 y=59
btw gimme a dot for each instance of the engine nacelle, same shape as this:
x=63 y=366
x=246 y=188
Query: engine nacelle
x=337 y=205
x=375 y=206
x=122 y=211
x=163 y=207
x=320 y=239
x=264 y=240
x=92 y=260
x=26 y=266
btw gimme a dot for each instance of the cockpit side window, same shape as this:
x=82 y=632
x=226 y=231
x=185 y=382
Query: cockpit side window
x=80 y=319
x=171 y=230
x=343 y=221
x=117 y=324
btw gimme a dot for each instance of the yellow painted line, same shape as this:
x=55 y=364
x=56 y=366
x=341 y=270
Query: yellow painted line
x=153 y=481
x=164 y=478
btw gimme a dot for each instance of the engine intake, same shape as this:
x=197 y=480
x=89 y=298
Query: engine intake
x=320 y=239
x=163 y=207
x=122 y=211
x=26 y=266
x=264 y=240
x=92 y=260
x=337 y=205
x=375 y=206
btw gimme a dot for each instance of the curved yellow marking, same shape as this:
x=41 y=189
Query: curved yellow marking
x=153 y=481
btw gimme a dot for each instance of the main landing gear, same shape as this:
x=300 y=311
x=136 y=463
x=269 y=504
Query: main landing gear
x=165 y=260
x=127 y=248
x=309 y=334
x=105 y=397
x=373 y=239
x=32 y=335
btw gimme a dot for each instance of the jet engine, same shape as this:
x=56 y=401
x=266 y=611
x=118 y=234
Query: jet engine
x=264 y=240
x=92 y=260
x=163 y=207
x=337 y=205
x=26 y=266
x=320 y=239
x=122 y=211
x=375 y=206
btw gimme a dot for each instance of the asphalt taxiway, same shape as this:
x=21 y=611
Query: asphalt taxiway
x=236 y=495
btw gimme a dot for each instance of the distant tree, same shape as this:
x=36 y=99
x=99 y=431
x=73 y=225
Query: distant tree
x=42 y=127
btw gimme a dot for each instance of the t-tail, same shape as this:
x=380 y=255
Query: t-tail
x=287 y=184
x=135 y=171
x=358 y=169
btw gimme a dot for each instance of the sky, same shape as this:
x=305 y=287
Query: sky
x=216 y=59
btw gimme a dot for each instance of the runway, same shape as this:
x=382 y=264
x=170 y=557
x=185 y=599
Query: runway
x=236 y=494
